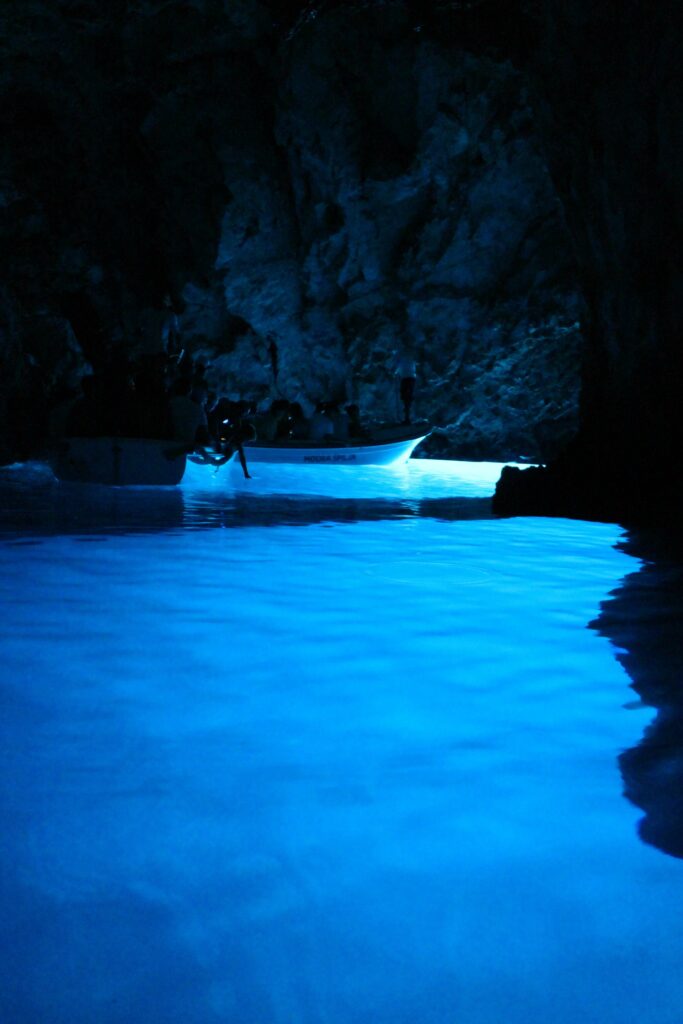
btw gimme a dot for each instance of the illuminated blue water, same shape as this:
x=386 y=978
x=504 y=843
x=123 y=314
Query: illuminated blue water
x=318 y=753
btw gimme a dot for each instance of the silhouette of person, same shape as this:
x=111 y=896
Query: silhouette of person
x=274 y=357
x=187 y=414
x=355 y=424
x=236 y=429
x=320 y=424
x=404 y=368
x=170 y=329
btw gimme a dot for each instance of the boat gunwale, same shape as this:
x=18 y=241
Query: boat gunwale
x=337 y=444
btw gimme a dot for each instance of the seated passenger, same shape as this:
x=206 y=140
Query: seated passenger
x=321 y=426
x=188 y=417
x=280 y=408
x=200 y=395
x=218 y=412
x=299 y=428
x=151 y=401
x=355 y=425
x=84 y=418
x=264 y=425
x=340 y=421
x=274 y=423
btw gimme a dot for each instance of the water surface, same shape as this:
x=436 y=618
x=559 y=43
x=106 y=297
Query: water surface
x=318 y=749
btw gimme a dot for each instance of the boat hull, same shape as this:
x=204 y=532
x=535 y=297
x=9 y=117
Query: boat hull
x=380 y=451
x=119 y=461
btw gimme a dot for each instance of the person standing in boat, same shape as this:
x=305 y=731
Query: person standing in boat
x=274 y=357
x=404 y=368
x=170 y=328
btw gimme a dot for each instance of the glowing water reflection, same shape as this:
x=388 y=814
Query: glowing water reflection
x=336 y=758
x=418 y=478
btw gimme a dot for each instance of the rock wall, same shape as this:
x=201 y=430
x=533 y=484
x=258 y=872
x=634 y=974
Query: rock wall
x=340 y=190
x=607 y=82
x=472 y=179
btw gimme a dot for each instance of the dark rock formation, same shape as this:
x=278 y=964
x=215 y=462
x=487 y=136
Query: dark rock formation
x=608 y=85
x=339 y=189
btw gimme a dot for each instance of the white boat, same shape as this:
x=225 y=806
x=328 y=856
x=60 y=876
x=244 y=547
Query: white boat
x=137 y=462
x=388 y=445
x=119 y=461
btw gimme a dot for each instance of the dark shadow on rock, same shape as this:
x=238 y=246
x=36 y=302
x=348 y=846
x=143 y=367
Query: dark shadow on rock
x=596 y=479
x=642 y=618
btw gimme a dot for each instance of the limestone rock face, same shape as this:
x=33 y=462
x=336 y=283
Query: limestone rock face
x=341 y=191
x=427 y=219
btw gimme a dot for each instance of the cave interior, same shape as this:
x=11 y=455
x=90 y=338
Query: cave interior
x=495 y=185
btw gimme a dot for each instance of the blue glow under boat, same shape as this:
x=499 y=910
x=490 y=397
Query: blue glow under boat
x=387 y=446
x=119 y=461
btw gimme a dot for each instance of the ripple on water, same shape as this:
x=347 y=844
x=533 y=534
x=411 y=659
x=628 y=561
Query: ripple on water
x=332 y=754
